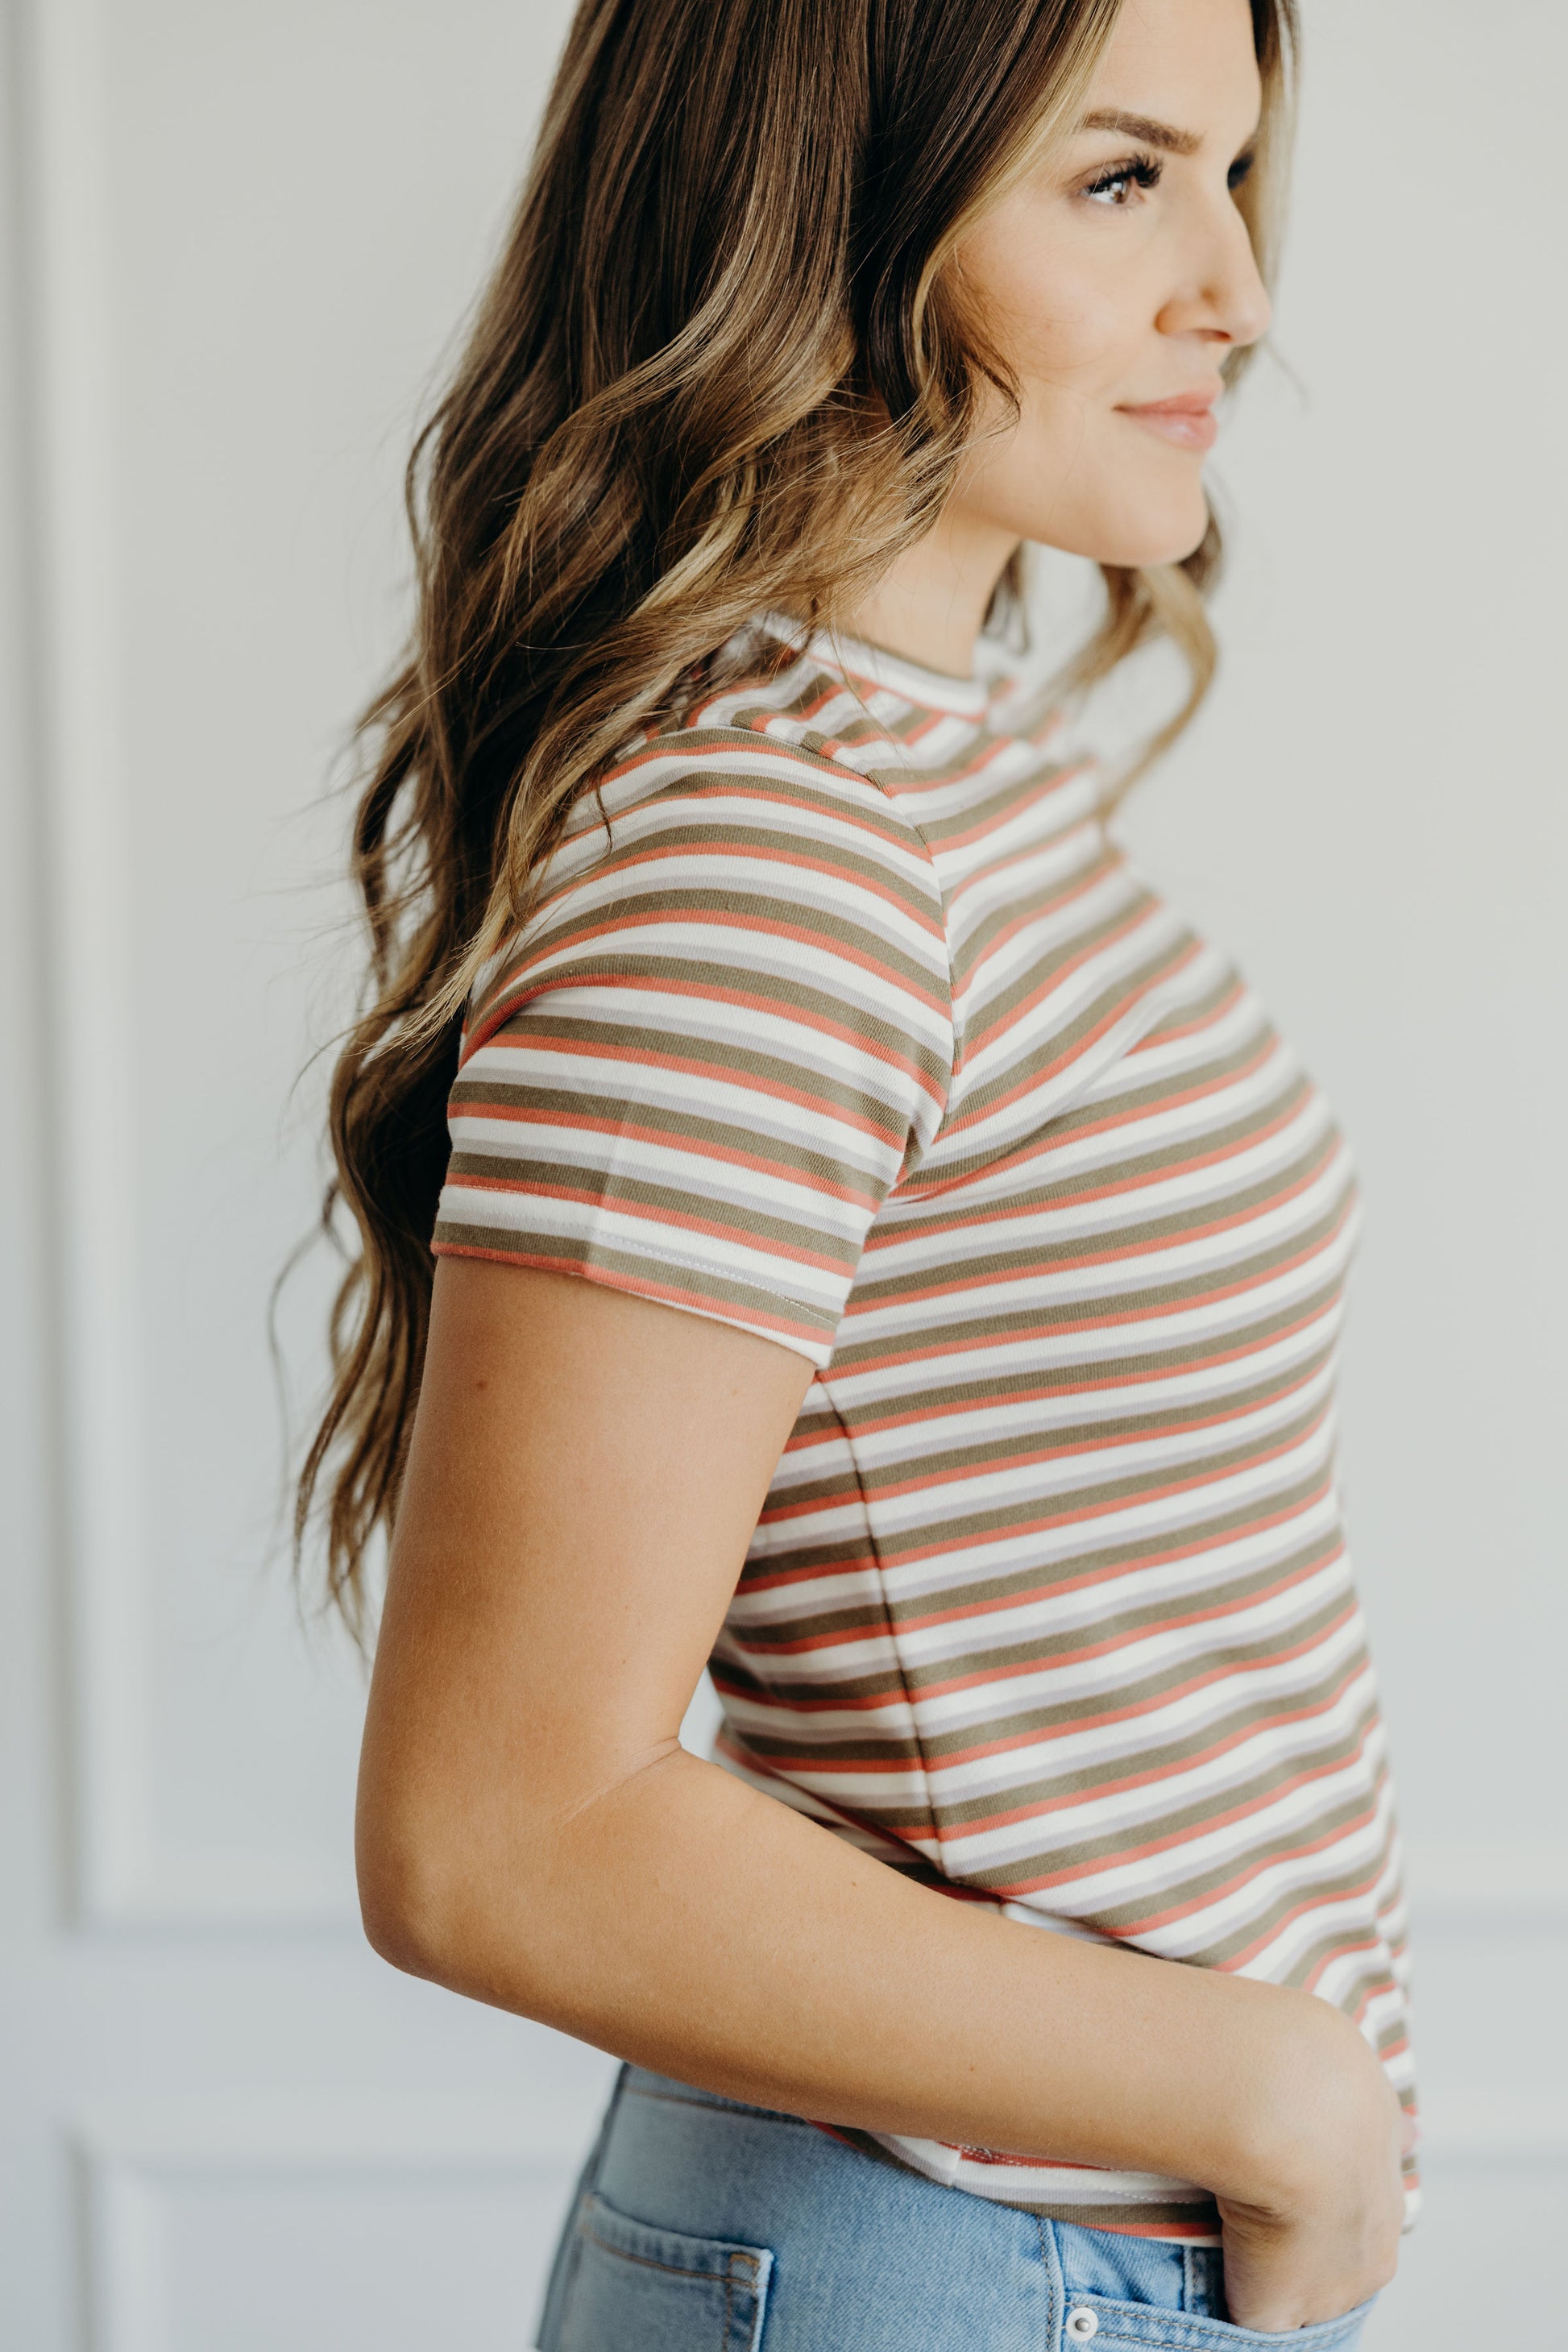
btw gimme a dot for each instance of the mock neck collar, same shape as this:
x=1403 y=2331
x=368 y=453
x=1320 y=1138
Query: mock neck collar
x=930 y=689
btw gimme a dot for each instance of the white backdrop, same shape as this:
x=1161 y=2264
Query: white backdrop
x=235 y=243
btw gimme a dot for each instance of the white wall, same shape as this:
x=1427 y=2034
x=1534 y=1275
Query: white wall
x=226 y=2127
x=238 y=239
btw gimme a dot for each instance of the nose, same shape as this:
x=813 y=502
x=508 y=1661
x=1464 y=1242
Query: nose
x=1222 y=299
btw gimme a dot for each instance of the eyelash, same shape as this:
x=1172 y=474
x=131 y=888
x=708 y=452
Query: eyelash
x=1146 y=172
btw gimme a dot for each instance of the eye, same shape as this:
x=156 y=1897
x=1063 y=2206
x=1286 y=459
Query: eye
x=1116 y=185
x=1241 y=171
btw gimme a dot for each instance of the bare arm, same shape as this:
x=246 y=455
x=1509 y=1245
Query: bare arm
x=585 y=1472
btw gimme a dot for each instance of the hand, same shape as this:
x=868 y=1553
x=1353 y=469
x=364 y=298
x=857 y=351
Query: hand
x=1322 y=2235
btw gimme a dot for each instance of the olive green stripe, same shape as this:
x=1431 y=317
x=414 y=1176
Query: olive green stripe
x=1070 y=1318
x=786 y=1153
x=1192 y=1892
x=659 y=1273
x=725 y=1059
x=609 y=1187
x=1117 y=1181
x=932 y=1396
x=866 y=943
x=1045 y=1721
x=1007 y=1447
x=1038 y=1583
x=857 y=1551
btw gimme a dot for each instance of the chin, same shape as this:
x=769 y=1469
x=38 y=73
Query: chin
x=1134 y=534
x=1167 y=530
x=1151 y=539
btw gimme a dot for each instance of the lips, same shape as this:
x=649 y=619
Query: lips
x=1187 y=421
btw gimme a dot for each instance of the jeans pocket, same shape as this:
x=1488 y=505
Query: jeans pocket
x=636 y=2289
x=1113 y=2327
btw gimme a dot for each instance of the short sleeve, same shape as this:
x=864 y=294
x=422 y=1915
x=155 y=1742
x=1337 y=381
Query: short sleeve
x=703 y=1067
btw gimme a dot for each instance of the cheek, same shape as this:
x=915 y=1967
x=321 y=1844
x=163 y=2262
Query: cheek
x=1059 y=313
x=1079 y=340
x=1074 y=475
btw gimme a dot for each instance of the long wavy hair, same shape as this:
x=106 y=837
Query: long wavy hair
x=718 y=371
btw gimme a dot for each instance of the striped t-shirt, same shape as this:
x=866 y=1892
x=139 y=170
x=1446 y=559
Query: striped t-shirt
x=856 y=1029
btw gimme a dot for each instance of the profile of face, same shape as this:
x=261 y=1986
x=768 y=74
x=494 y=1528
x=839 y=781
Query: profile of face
x=1114 y=280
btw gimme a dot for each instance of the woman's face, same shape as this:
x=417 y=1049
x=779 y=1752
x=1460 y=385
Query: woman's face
x=1114 y=280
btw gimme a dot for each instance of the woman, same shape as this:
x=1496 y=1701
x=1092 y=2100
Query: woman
x=876 y=1246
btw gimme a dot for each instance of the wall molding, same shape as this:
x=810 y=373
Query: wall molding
x=123 y=1874
x=88 y=942
x=130 y=2160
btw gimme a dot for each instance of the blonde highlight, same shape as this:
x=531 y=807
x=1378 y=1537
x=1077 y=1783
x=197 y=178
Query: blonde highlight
x=718 y=371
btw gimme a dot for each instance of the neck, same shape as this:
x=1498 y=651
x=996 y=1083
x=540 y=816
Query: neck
x=930 y=602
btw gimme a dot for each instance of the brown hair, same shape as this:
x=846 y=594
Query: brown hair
x=716 y=372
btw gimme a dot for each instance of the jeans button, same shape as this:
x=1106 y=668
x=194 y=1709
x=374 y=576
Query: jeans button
x=1082 y=2323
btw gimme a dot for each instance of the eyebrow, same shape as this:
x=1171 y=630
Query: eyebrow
x=1143 y=127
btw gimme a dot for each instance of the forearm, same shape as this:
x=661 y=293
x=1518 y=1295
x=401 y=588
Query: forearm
x=585 y=1475
x=687 y=1922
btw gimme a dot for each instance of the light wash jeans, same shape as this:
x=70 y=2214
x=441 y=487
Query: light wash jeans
x=703 y=2225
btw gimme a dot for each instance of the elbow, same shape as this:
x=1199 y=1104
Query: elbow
x=437 y=1901
x=510 y=1900
x=404 y=1908
x=421 y=1882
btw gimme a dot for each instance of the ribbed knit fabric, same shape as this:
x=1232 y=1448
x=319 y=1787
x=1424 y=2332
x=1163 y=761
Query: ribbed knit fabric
x=858 y=1031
